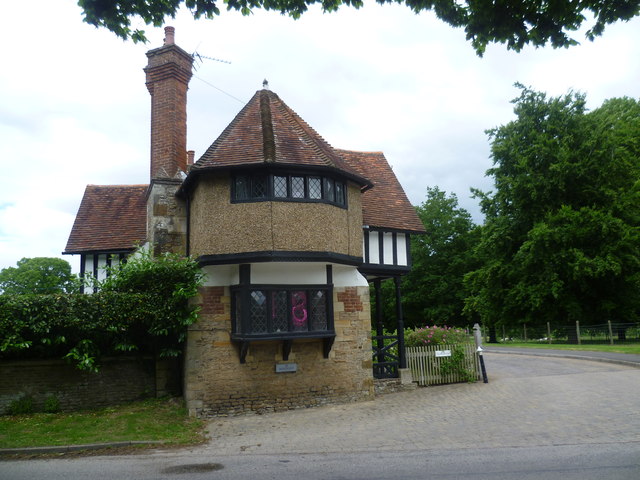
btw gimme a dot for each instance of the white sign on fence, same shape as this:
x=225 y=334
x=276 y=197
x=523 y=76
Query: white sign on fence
x=443 y=353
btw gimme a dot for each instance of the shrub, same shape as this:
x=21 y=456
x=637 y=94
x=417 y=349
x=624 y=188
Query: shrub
x=51 y=404
x=435 y=335
x=21 y=406
x=456 y=365
x=143 y=307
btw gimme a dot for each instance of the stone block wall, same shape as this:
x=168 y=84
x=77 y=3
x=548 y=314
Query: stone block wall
x=166 y=218
x=215 y=382
x=120 y=380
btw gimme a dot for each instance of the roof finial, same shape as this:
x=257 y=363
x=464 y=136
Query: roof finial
x=265 y=84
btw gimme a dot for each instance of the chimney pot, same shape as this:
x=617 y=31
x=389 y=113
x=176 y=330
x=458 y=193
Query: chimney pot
x=169 y=35
x=190 y=156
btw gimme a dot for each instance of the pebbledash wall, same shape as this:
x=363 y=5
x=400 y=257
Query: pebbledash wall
x=221 y=227
x=215 y=382
x=120 y=380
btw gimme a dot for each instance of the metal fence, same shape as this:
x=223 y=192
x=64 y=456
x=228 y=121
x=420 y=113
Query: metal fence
x=605 y=333
x=439 y=364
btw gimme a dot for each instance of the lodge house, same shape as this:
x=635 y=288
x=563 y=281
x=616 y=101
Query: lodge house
x=289 y=231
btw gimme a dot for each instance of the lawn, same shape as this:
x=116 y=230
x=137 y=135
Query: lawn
x=150 y=420
x=623 y=348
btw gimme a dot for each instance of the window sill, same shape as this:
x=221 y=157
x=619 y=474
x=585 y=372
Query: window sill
x=286 y=338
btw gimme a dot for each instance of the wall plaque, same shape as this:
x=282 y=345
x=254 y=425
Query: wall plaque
x=286 y=367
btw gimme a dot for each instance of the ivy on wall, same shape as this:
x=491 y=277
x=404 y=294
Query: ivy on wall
x=141 y=307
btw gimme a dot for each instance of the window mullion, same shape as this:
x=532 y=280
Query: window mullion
x=289 y=311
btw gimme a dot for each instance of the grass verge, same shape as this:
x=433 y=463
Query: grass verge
x=163 y=420
x=626 y=348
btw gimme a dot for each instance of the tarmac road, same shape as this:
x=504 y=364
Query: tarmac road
x=537 y=418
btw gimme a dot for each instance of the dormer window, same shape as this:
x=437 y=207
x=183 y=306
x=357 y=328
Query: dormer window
x=288 y=187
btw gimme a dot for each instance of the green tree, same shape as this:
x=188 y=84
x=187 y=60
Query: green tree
x=513 y=22
x=433 y=292
x=561 y=240
x=41 y=275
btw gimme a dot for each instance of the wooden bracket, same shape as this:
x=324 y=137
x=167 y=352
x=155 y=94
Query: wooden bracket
x=286 y=349
x=327 y=343
x=244 y=348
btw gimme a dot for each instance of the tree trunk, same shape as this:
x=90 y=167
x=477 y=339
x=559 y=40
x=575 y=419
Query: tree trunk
x=493 y=338
x=573 y=336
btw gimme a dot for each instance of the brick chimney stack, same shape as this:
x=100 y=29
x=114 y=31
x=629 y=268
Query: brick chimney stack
x=168 y=73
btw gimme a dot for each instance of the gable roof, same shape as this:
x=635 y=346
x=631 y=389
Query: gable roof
x=267 y=131
x=110 y=218
x=385 y=205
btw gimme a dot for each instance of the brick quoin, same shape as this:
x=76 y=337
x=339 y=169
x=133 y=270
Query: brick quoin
x=351 y=300
x=212 y=300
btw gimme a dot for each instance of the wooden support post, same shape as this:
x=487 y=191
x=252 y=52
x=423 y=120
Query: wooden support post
x=549 y=333
x=377 y=283
x=400 y=322
x=578 y=331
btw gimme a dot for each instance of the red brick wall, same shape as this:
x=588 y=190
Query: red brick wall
x=168 y=75
x=211 y=300
x=351 y=300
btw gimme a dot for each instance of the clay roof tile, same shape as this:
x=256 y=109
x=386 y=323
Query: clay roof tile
x=110 y=218
x=267 y=131
x=385 y=205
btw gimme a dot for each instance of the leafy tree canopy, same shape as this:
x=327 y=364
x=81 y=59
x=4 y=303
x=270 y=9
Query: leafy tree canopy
x=40 y=275
x=433 y=292
x=561 y=240
x=515 y=23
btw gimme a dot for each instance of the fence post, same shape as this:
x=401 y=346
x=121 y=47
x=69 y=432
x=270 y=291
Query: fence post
x=525 y=332
x=477 y=335
x=549 y=332
x=578 y=331
x=610 y=333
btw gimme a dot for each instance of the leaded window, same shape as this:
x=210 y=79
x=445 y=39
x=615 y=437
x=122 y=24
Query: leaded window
x=280 y=321
x=258 y=312
x=297 y=187
x=329 y=190
x=242 y=186
x=315 y=188
x=261 y=187
x=318 y=310
x=281 y=311
x=280 y=186
x=339 y=193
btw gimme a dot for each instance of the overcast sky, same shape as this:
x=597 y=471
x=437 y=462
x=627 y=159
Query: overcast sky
x=74 y=109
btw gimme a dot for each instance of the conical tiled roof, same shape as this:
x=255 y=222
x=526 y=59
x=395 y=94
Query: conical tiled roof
x=267 y=131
